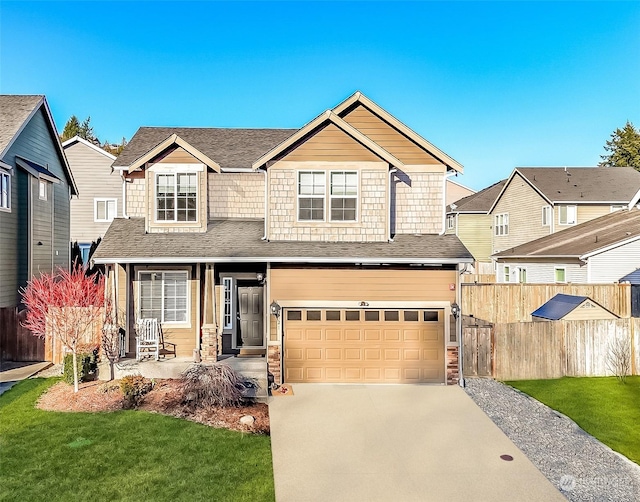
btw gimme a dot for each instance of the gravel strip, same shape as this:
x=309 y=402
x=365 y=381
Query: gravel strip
x=579 y=465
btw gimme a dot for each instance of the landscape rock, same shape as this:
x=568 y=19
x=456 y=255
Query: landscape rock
x=247 y=420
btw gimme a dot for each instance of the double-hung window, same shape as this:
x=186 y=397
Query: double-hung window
x=546 y=216
x=104 y=210
x=344 y=195
x=451 y=221
x=501 y=224
x=311 y=195
x=164 y=296
x=560 y=274
x=506 y=274
x=567 y=215
x=176 y=197
x=5 y=190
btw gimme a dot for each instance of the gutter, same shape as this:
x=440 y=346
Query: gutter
x=444 y=201
x=266 y=206
x=284 y=259
x=392 y=171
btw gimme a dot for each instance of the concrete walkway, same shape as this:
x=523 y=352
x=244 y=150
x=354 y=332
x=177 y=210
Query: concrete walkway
x=15 y=372
x=404 y=443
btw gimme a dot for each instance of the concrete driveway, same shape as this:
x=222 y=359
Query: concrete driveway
x=394 y=443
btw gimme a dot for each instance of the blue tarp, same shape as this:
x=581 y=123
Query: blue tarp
x=559 y=306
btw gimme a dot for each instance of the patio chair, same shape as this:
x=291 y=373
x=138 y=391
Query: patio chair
x=149 y=340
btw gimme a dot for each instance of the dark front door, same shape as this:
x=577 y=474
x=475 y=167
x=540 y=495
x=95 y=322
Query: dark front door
x=250 y=301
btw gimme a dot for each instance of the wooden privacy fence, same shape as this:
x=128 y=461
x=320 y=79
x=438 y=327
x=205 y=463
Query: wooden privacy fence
x=477 y=278
x=55 y=351
x=539 y=350
x=507 y=303
x=16 y=342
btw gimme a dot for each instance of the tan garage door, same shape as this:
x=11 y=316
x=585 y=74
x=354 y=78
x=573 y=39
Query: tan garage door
x=364 y=346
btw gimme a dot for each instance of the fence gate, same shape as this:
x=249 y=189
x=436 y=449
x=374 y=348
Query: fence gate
x=477 y=349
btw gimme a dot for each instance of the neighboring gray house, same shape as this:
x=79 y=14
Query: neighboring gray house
x=598 y=251
x=36 y=186
x=100 y=199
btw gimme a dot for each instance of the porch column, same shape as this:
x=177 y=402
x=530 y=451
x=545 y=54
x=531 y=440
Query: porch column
x=209 y=344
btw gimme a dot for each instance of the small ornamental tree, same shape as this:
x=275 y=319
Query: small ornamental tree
x=110 y=336
x=65 y=305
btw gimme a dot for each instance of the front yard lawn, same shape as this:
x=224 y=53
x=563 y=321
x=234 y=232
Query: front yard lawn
x=605 y=408
x=123 y=455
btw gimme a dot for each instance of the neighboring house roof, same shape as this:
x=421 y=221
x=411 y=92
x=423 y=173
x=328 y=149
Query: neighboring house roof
x=633 y=277
x=15 y=113
x=561 y=305
x=479 y=202
x=241 y=240
x=581 y=185
x=584 y=240
x=36 y=170
x=78 y=139
x=228 y=148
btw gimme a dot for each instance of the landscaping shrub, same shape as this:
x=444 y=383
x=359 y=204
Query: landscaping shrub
x=87 y=365
x=134 y=387
x=205 y=385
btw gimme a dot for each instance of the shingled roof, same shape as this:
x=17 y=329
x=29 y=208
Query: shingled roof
x=230 y=148
x=15 y=110
x=228 y=240
x=584 y=184
x=479 y=202
x=581 y=240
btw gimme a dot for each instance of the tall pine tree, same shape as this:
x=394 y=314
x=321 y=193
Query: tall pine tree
x=71 y=128
x=623 y=148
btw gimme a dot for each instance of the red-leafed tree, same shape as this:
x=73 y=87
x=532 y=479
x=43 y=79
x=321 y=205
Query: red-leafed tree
x=65 y=305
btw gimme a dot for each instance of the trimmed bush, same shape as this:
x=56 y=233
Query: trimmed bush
x=87 y=365
x=214 y=385
x=134 y=387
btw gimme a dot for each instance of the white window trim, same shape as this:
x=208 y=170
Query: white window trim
x=356 y=196
x=565 y=275
x=575 y=215
x=42 y=184
x=506 y=273
x=519 y=271
x=187 y=272
x=451 y=221
x=227 y=282
x=106 y=200
x=500 y=230
x=6 y=208
x=547 y=210
x=298 y=196
x=175 y=171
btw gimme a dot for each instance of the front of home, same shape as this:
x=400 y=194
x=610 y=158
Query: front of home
x=322 y=248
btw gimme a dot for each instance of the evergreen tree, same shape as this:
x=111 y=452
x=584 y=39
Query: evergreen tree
x=623 y=148
x=86 y=131
x=71 y=128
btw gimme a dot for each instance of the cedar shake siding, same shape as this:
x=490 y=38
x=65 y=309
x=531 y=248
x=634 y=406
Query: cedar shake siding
x=236 y=195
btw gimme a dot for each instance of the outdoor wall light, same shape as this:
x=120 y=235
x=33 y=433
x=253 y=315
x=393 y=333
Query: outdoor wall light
x=275 y=308
x=260 y=276
x=455 y=310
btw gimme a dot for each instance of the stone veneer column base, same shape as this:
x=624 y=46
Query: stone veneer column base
x=273 y=354
x=453 y=366
x=209 y=346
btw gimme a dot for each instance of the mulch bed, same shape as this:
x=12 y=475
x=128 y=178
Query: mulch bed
x=164 y=398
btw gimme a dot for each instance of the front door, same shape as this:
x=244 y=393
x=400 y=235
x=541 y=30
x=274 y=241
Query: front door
x=250 y=315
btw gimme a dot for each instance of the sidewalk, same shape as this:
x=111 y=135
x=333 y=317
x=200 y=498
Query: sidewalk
x=13 y=372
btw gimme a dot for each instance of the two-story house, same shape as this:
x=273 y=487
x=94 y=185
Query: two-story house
x=538 y=201
x=322 y=248
x=100 y=199
x=36 y=185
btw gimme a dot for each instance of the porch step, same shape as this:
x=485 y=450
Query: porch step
x=252 y=353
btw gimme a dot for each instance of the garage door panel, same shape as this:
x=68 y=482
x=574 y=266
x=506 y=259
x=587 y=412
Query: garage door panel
x=407 y=347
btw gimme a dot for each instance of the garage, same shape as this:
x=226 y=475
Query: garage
x=364 y=345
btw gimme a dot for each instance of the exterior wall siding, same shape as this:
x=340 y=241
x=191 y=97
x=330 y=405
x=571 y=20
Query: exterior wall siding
x=136 y=195
x=543 y=273
x=236 y=195
x=92 y=172
x=35 y=143
x=41 y=234
x=418 y=201
x=456 y=192
x=371 y=224
x=475 y=232
x=616 y=263
x=584 y=213
x=524 y=206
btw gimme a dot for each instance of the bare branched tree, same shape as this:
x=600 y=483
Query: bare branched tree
x=110 y=336
x=619 y=357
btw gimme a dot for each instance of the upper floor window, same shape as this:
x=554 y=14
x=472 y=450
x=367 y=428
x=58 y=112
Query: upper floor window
x=501 y=225
x=164 y=296
x=546 y=216
x=5 y=191
x=344 y=195
x=42 y=190
x=567 y=215
x=104 y=210
x=176 y=197
x=451 y=221
x=311 y=194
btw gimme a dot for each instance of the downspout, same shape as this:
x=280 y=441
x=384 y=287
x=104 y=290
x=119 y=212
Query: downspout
x=391 y=173
x=124 y=196
x=444 y=200
x=266 y=205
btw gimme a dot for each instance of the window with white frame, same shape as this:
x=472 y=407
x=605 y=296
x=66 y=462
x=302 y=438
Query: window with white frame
x=311 y=195
x=506 y=273
x=522 y=275
x=164 y=296
x=344 y=195
x=42 y=190
x=560 y=274
x=546 y=216
x=104 y=209
x=5 y=191
x=567 y=215
x=618 y=207
x=501 y=224
x=451 y=221
x=176 y=197
x=227 y=284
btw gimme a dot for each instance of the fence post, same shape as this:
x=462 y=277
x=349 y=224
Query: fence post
x=632 y=333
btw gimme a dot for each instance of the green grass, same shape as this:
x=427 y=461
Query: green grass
x=605 y=408
x=124 y=455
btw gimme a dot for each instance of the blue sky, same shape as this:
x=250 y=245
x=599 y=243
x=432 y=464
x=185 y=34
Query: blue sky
x=495 y=85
